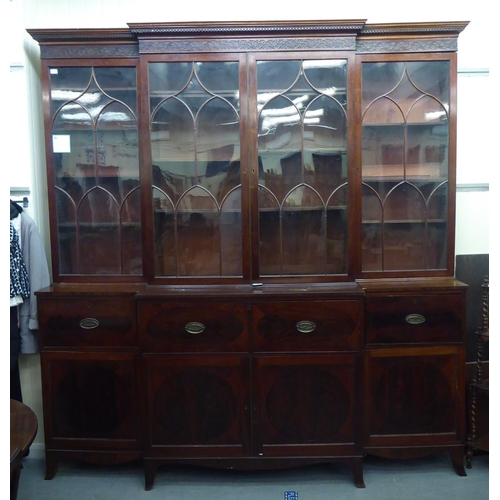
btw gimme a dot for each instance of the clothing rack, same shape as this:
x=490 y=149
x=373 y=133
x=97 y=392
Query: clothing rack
x=20 y=195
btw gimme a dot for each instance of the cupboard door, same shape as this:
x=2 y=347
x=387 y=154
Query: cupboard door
x=197 y=405
x=301 y=118
x=305 y=405
x=197 y=158
x=89 y=400
x=414 y=397
x=407 y=116
x=94 y=165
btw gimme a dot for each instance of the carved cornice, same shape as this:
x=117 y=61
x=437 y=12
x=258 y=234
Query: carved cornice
x=349 y=35
x=86 y=43
x=241 y=45
x=409 y=37
x=245 y=29
x=81 y=35
x=447 y=28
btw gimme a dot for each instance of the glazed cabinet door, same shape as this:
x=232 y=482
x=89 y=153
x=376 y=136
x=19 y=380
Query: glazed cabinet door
x=198 y=165
x=408 y=160
x=414 y=397
x=306 y=405
x=90 y=401
x=92 y=139
x=300 y=164
x=197 y=406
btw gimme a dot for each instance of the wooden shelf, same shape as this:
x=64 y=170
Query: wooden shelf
x=406 y=221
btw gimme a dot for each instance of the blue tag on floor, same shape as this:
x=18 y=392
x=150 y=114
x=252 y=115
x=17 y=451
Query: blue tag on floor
x=291 y=495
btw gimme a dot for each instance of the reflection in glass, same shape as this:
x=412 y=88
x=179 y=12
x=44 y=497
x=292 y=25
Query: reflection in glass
x=302 y=154
x=195 y=148
x=96 y=166
x=405 y=165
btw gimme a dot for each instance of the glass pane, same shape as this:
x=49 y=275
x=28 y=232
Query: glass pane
x=404 y=247
x=130 y=216
x=404 y=203
x=302 y=143
x=164 y=236
x=304 y=239
x=99 y=235
x=405 y=165
x=433 y=78
x=119 y=84
x=66 y=224
x=427 y=151
x=217 y=140
x=379 y=79
x=74 y=161
x=198 y=236
x=372 y=228
x=404 y=226
x=270 y=232
x=438 y=216
x=96 y=163
x=117 y=168
x=231 y=229
x=195 y=129
x=436 y=245
x=383 y=151
x=67 y=84
x=336 y=227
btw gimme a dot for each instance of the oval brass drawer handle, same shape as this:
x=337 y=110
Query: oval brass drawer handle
x=194 y=328
x=305 y=326
x=415 y=319
x=89 y=323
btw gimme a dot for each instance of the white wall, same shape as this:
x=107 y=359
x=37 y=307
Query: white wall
x=26 y=150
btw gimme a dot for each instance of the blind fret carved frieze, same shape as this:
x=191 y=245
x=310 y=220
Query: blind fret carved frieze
x=88 y=51
x=193 y=45
x=391 y=46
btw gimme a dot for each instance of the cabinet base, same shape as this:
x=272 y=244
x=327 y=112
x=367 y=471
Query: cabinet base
x=151 y=465
x=457 y=454
x=96 y=457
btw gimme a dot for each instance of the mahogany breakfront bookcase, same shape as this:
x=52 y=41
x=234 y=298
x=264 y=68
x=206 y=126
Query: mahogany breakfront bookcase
x=252 y=235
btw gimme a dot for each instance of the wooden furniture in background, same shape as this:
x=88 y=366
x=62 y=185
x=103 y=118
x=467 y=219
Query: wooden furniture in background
x=478 y=438
x=23 y=429
x=252 y=235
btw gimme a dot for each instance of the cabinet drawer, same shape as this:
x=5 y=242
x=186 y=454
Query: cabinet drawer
x=415 y=319
x=306 y=326
x=88 y=322
x=193 y=327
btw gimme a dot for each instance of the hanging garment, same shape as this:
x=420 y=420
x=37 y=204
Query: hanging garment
x=19 y=280
x=15 y=347
x=36 y=264
x=19 y=291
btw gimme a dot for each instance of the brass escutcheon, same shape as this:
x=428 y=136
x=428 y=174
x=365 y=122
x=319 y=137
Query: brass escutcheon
x=89 y=323
x=305 y=326
x=194 y=328
x=415 y=319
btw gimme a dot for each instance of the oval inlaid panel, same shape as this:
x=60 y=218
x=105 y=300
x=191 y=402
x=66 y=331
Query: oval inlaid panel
x=194 y=406
x=308 y=405
x=412 y=396
x=89 y=402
